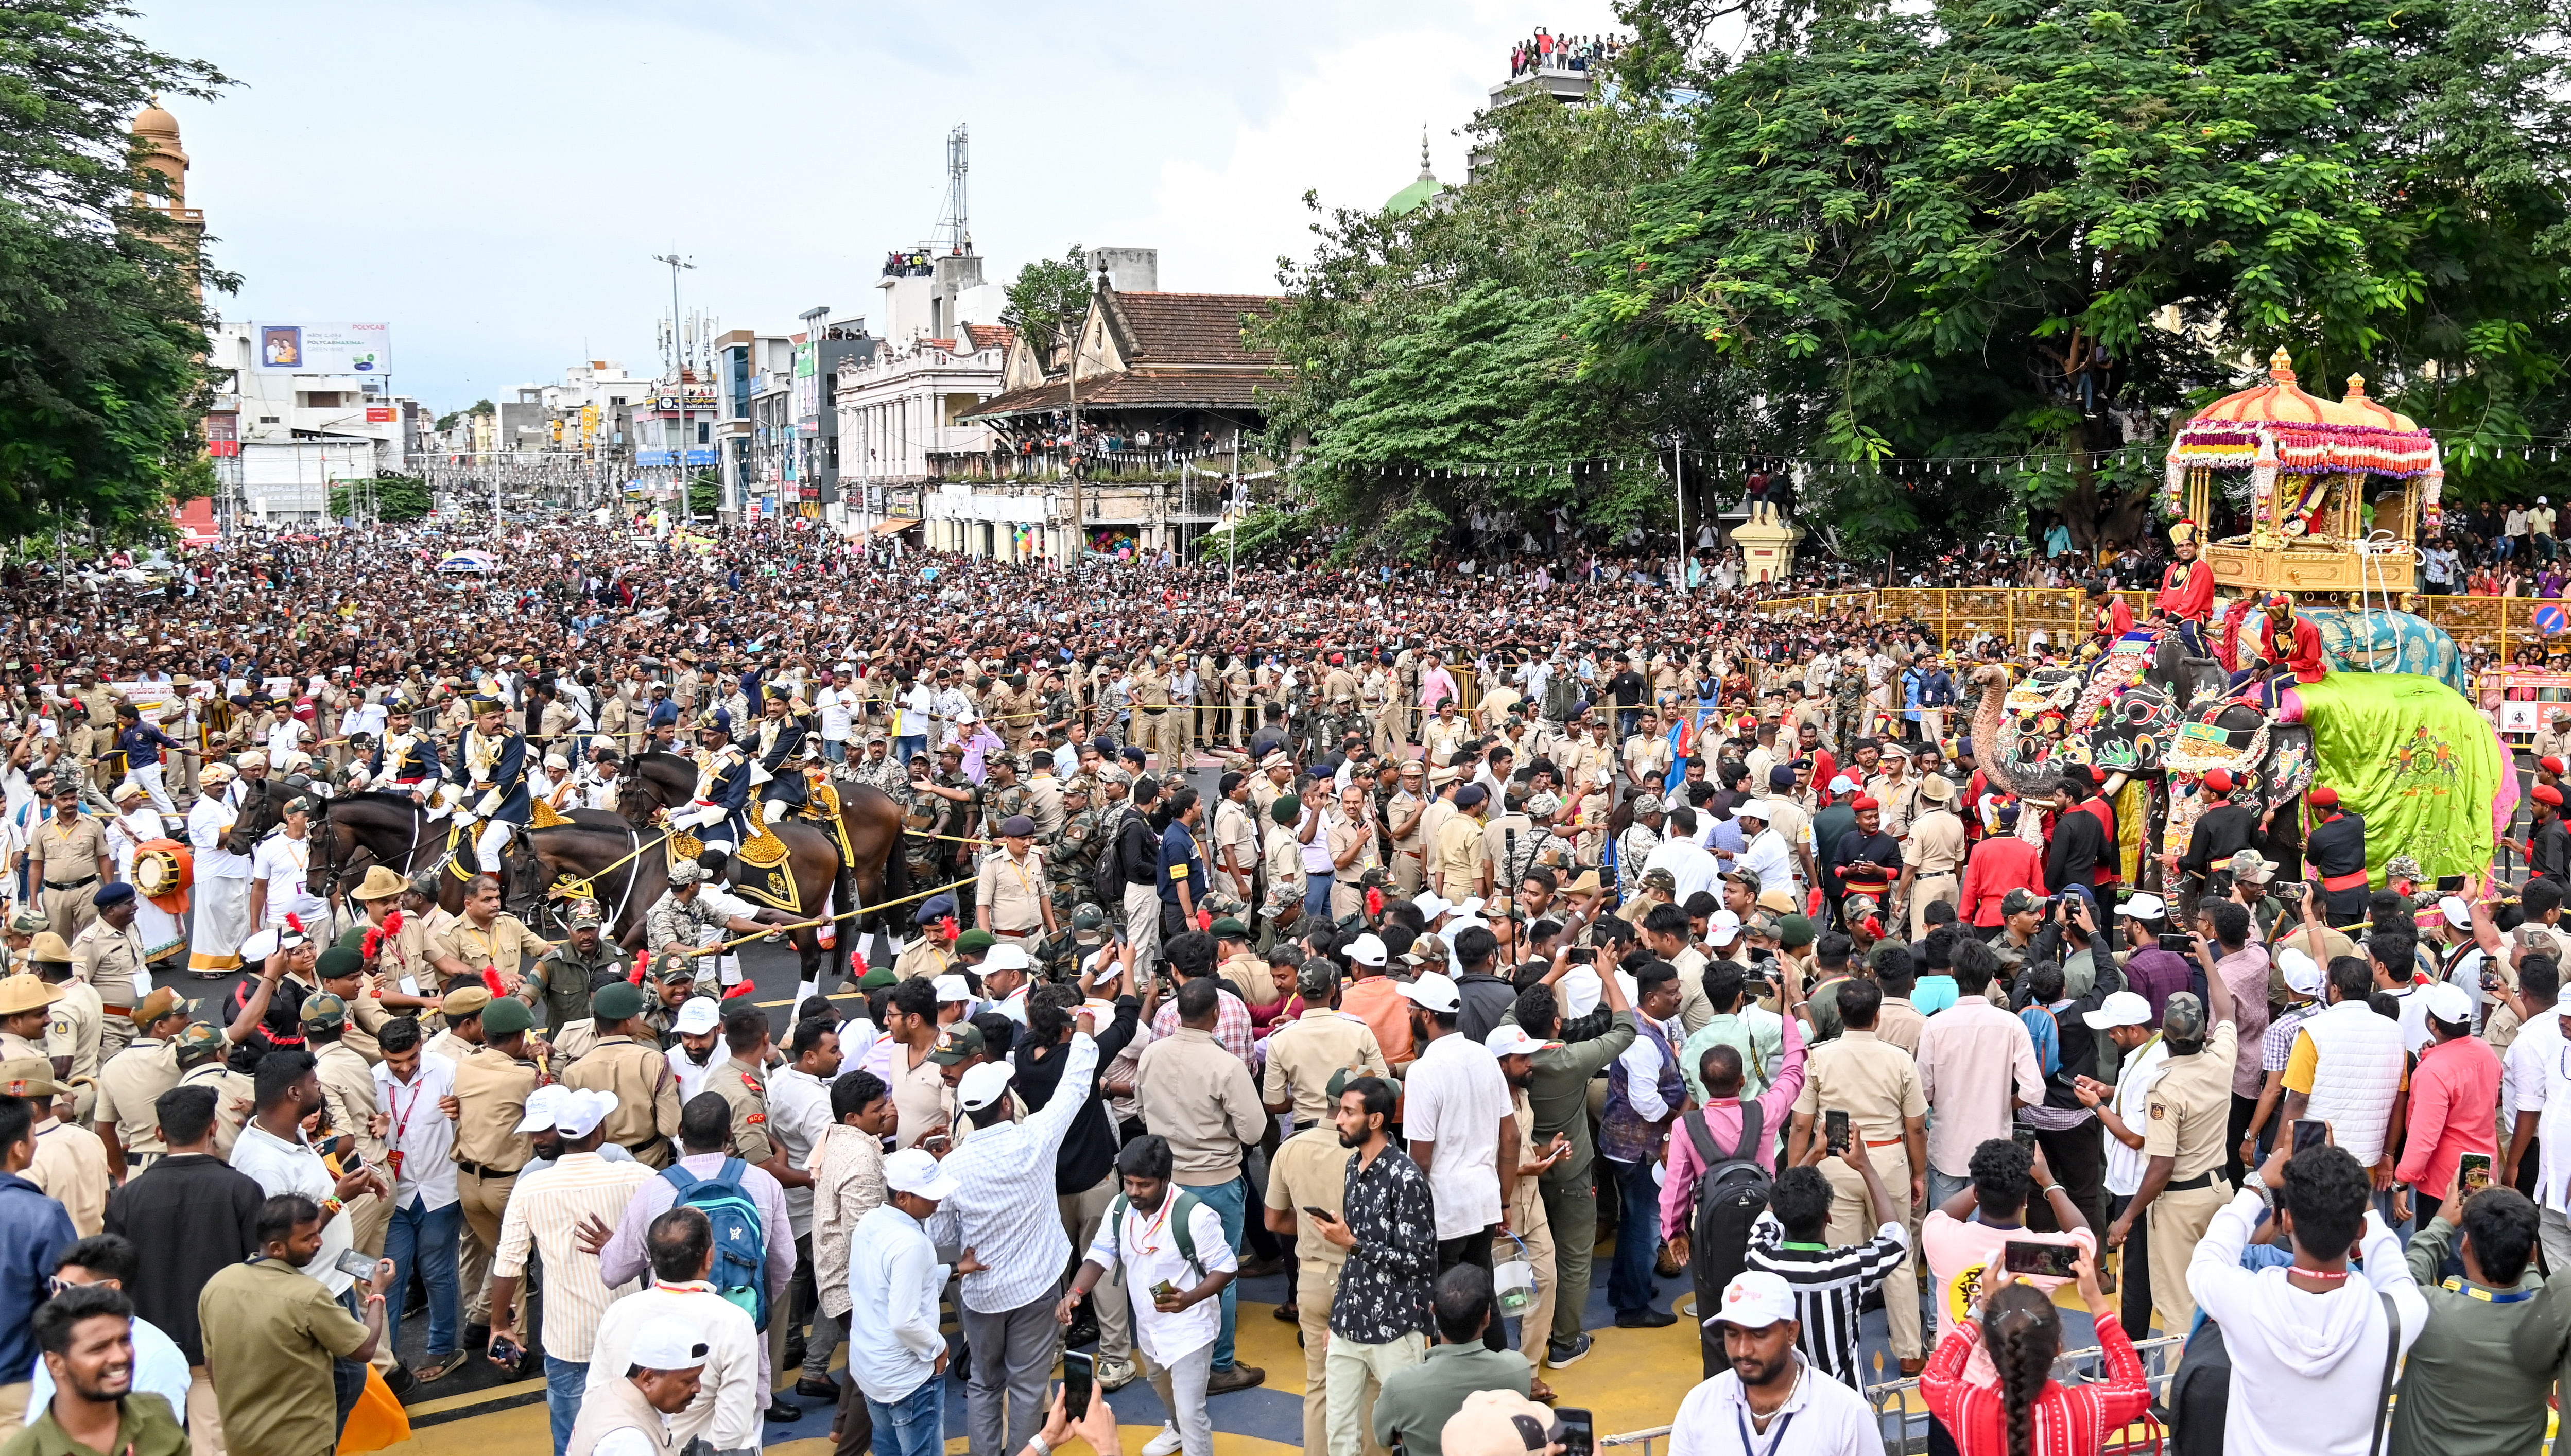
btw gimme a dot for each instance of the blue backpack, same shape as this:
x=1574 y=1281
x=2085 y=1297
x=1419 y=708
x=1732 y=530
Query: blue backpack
x=741 y=1236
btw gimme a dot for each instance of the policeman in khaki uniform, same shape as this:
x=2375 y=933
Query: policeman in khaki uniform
x=742 y=1082
x=130 y=1081
x=66 y=858
x=1878 y=1085
x=492 y=1080
x=73 y=1026
x=1303 y=1053
x=2184 y=1143
x=626 y=1062
x=200 y=1053
x=109 y=956
x=1407 y=814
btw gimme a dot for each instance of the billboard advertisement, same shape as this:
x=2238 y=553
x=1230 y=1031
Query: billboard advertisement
x=324 y=348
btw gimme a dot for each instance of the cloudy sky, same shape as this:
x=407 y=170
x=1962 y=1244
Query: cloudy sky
x=492 y=180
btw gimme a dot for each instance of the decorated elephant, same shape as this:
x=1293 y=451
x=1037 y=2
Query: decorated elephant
x=2146 y=721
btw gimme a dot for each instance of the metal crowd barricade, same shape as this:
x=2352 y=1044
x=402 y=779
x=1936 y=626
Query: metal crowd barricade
x=1902 y=1420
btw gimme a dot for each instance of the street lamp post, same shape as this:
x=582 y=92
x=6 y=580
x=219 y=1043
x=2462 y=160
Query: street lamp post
x=678 y=370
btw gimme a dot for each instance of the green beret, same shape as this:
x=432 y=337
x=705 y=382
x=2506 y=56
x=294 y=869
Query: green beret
x=1228 y=928
x=616 y=1001
x=1794 y=931
x=504 y=1015
x=337 y=962
x=353 y=938
x=877 y=979
x=1287 y=809
x=973 y=942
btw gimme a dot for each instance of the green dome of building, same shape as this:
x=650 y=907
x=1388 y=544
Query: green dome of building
x=1421 y=191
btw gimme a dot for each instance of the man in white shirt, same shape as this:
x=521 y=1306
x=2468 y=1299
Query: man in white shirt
x=222 y=890
x=271 y=1149
x=1176 y=1276
x=836 y=707
x=410 y=1082
x=1771 y=1391
x=280 y=872
x=2126 y=1019
x=895 y=1350
x=1463 y=1129
x=2535 y=1103
x=1763 y=851
x=1690 y=864
x=726 y=1410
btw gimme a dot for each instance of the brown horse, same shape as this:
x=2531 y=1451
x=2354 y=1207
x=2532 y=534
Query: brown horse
x=868 y=815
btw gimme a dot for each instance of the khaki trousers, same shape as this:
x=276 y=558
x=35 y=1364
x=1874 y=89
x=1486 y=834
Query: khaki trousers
x=1392 y=732
x=1320 y=1282
x=2178 y=1221
x=13 y=1408
x=1852 y=1221
x=484 y=1199
x=1357 y=1374
x=1409 y=869
x=1926 y=889
x=1536 y=1326
x=68 y=912
x=205 y=1420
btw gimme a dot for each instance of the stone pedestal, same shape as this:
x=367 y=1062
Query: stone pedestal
x=1767 y=546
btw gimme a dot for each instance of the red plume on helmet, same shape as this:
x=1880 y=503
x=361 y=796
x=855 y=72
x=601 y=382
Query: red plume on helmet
x=1374 y=902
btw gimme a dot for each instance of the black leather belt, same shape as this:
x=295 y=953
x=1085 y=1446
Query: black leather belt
x=70 y=884
x=646 y=1146
x=2187 y=1185
x=478 y=1171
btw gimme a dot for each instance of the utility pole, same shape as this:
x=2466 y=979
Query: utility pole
x=678 y=374
x=1232 y=547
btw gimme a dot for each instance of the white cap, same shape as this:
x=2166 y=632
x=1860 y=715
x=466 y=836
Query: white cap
x=2457 y=913
x=982 y=1084
x=2300 y=971
x=258 y=947
x=1430 y=907
x=2449 y=1003
x=1434 y=992
x=667 y=1343
x=951 y=987
x=2142 y=907
x=2120 y=1008
x=582 y=1112
x=698 y=1016
x=1469 y=906
x=1757 y=808
x=1842 y=784
x=912 y=1171
x=1005 y=957
x=1511 y=1040
x=1756 y=1300
x=1722 y=927
x=544 y=1108
x=1368 y=950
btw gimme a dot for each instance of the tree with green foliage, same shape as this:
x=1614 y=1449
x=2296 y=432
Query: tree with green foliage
x=1048 y=301
x=453 y=417
x=705 y=493
x=1429 y=347
x=103 y=387
x=1926 y=244
x=391 y=499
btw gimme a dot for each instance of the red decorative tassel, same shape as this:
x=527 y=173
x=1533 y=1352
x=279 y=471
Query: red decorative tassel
x=373 y=940
x=1874 y=926
x=294 y=923
x=491 y=981
x=946 y=929
x=641 y=967
x=1374 y=902
x=1812 y=904
x=743 y=989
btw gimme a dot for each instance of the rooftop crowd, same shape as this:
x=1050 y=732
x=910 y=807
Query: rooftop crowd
x=1450 y=942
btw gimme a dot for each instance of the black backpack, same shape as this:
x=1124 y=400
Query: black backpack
x=1113 y=873
x=1730 y=1196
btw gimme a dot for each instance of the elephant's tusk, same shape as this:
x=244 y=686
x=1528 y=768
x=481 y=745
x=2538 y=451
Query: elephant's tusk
x=2115 y=783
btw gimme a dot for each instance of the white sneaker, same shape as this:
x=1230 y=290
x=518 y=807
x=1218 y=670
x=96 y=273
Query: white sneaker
x=1163 y=1444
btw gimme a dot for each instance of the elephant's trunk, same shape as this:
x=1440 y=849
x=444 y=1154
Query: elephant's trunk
x=1994 y=737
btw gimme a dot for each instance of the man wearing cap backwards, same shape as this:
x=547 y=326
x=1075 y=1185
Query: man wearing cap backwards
x=492 y=1081
x=66 y=860
x=1770 y=1389
x=2336 y=852
x=625 y=1061
x=628 y=1413
x=895 y=1350
x=129 y=1084
x=546 y=1213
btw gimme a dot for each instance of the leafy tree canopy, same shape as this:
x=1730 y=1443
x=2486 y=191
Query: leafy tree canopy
x=1908 y=241
x=1049 y=299
x=102 y=388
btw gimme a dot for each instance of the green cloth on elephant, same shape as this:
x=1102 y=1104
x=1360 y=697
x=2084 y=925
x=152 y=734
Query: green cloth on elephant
x=2416 y=760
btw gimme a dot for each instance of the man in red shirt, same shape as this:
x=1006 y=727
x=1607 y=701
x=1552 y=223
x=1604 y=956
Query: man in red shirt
x=2000 y=863
x=2287 y=643
x=2187 y=592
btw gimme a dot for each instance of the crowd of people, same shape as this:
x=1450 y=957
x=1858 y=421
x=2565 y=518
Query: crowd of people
x=1428 y=939
x=1545 y=51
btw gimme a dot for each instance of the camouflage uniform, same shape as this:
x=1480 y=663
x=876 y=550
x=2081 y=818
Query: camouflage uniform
x=1847 y=709
x=1072 y=859
x=955 y=818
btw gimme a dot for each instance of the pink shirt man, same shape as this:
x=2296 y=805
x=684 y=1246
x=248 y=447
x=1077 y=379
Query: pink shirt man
x=1723 y=1121
x=1973 y=1057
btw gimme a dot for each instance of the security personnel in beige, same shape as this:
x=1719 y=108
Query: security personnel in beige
x=132 y=1080
x=627 y=1061
x=492 y=1080
x=109 y=956
x=348 y=1103
x=2183 y=1142
x=67 y=859
x=1011 y=896
x=742 y=1083
x=71 y=1029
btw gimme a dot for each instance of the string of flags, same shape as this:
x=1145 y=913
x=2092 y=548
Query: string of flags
x=2024 y=462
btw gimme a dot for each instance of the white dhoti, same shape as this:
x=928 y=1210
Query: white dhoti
x=160 y=931
x=223 y=923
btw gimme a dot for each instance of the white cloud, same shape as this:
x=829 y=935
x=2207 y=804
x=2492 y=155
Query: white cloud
x=492 y=177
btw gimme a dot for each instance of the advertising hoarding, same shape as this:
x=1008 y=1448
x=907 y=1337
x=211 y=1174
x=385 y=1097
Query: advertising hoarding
x=323 y=349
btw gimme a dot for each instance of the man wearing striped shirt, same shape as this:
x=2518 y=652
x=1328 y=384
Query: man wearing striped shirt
x=1829 y=1284
x=1002 y=1214
x=545 y=1212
